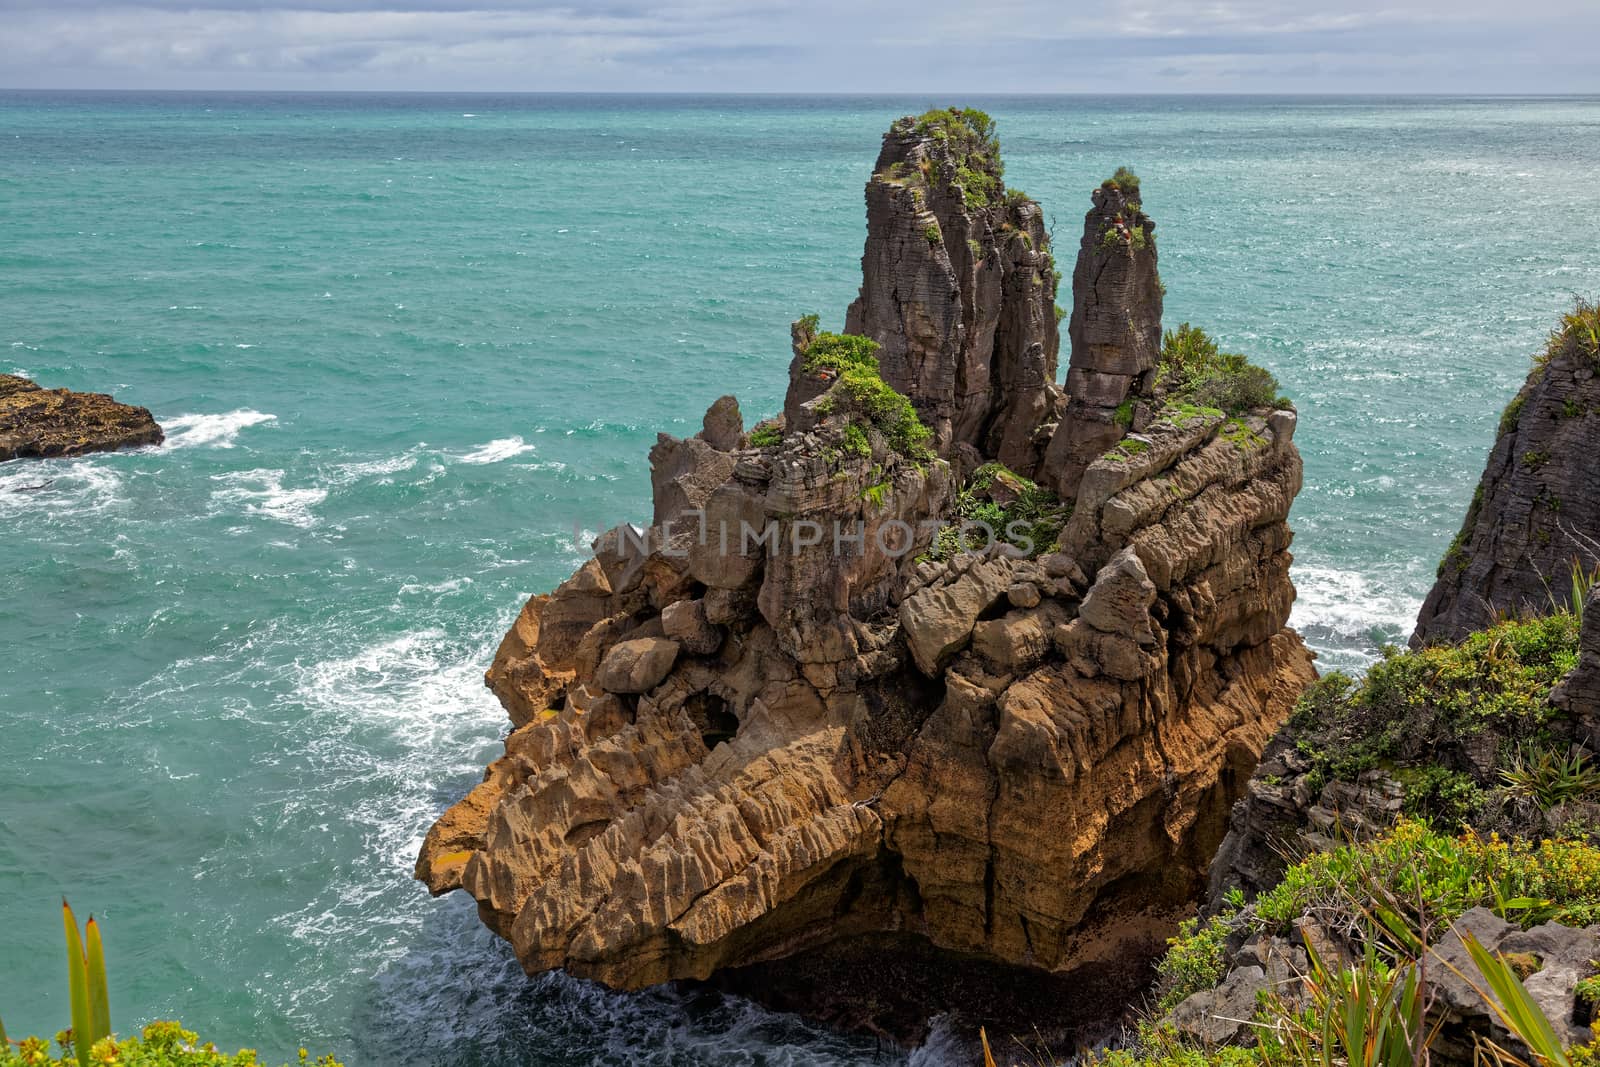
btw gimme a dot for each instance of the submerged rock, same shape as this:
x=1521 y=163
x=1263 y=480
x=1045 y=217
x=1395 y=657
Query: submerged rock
x=775 y=723
x=42 y=423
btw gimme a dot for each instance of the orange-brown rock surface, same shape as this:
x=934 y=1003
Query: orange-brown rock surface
x=725 y=753
x=37 y=422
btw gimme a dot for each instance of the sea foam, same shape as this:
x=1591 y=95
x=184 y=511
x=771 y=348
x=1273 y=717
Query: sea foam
x=211 y=431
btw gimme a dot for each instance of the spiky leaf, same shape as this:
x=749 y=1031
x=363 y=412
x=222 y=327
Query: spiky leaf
x=99 y=1001
x=77 y=987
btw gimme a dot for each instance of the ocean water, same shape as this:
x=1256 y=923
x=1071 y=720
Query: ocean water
x=405 y=347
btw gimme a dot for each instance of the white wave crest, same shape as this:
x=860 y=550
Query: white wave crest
x=262 y=492
x=500 y=449
x=211 y=431
x=1347 y=615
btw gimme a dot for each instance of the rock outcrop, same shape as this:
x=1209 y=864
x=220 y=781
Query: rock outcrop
x=776 y=721
x=1537 y=508
x=959 y=289
x=1115 y=330
x=37 y=422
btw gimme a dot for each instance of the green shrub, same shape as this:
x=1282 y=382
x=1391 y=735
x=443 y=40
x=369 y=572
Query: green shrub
x=1513 y=413
x=1123 y=179
x=886 y=409
x=1578 y=329
x=1439 y=876
x=1193 y=370
x=1450 y=798
x=1035 y=512
x=969 y=135
x=1195 y=960
x=932 y=234
x=765 y=436
x=856 y=442
x=1419 y=708
x=839 y=352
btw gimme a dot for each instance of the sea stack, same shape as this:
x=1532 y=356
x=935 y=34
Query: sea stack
x=729 y=752
x=1115 y=330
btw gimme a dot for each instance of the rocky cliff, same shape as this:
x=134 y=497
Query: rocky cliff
x=1537 y=508
x=1502 y=668
x=794 y=712
x=37 y=422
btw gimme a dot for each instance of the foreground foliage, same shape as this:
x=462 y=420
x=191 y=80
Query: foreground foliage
x=90 y=1041
x=162 y=1044
x=1417 y=712
x=1394 y=895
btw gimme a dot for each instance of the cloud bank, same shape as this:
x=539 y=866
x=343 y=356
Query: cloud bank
x=1156 y=46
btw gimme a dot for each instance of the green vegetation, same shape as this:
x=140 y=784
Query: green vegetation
x=1127 y=448
x=1123 y=179
x=855 y=362
x=932 y=234
x=1194 y=371
x=1549 y=777
x=1417 y=713
x=1578 y=328
x=1195 y=960
x=766 y=435
x=1513 y=413
x=90 y=1041
x=1033 y=511
x=839 y=352
x=1390 y=897
x=856 y=442
x=969 y=134
x=1123 y=416
x=162 y=1044
x=1433 y=878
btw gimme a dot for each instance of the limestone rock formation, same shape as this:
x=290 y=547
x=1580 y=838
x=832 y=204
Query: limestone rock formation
x=1115 y=329
x=775 y=721
x=37 y=422
x=1537 y=507
x=959 y=287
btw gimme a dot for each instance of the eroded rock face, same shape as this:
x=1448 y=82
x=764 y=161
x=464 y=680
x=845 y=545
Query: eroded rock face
x=1115 y=331
x=1536 y=509
x=1001 y=756
x=37 y=422
x=959 y=289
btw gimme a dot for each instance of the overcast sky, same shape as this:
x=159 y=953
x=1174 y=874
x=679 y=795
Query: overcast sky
x=943 y=46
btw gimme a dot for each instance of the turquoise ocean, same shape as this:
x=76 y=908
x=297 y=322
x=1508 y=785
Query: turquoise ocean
x=405 y=347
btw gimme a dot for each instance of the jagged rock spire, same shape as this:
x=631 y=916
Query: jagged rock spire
x=1115 y=330
x=958 y=287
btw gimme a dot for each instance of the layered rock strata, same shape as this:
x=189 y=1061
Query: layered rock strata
x=37 y=422
x=1115 y=330
x=959 y=289
x=729 y=750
